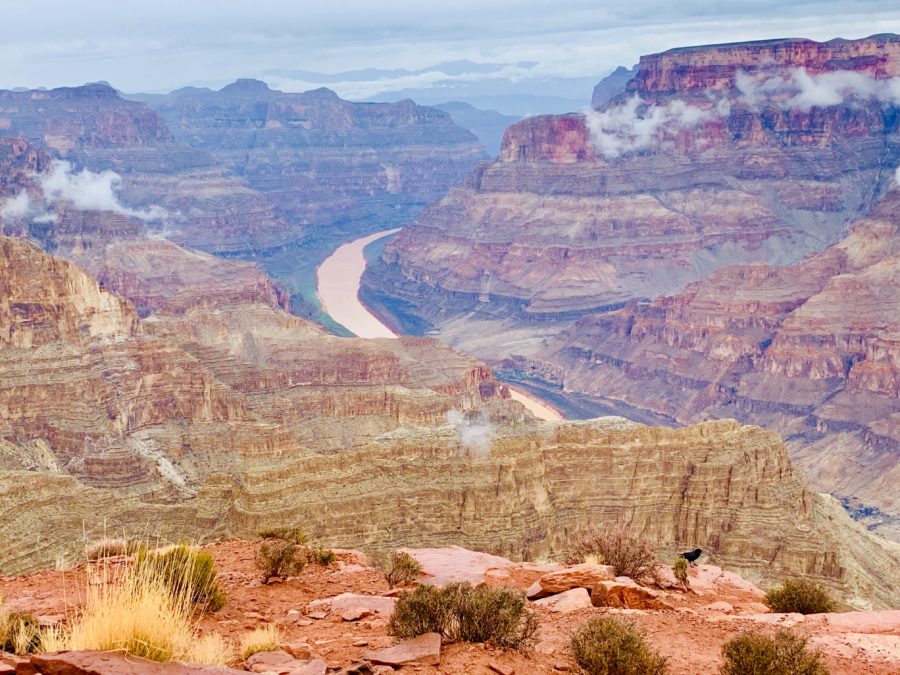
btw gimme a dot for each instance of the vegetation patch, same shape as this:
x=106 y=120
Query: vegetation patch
x=784 y=654
x=800 y=595
x=680 y=570
x=628 y=553
x=608 y=646
x=401 y=569
x=19 y=633
x=188 y=573
x=279 y=558
x=463 y=613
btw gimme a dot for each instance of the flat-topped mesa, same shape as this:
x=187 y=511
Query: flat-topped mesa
x=717 y=66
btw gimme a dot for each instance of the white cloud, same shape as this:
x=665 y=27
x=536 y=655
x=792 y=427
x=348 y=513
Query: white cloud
x=16 y=207
x=634 y=125
x=89 y=191
x=475 y=434
x=802 y=91
x=897 y=176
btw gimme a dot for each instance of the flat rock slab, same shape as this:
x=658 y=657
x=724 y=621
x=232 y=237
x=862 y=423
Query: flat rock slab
x=110 y=663
x=567 y=601
x=373 y=603
x=453 y=564
x=424 y=650
x=585 y=575
x=876 y=621
x=711 y=579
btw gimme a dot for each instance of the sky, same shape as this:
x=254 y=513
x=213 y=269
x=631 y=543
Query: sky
x=138 y=45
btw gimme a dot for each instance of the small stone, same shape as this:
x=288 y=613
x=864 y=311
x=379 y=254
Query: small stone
x=304 y=622
x=317 y=615
x=265 y=662
x=355 y=613
x=299 y=650
x=501 y=669
x=360 y=643
x=274 y=580
x=360 y=668
x=559 y=665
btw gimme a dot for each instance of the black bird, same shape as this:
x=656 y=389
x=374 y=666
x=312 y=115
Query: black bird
x=691 y=556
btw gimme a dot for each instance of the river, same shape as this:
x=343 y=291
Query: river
x=337 y=285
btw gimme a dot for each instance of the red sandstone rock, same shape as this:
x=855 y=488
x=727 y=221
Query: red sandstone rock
x=625 y=594
x=585 y=575
x=423 y=650
x=109 y=663
x=567 y=601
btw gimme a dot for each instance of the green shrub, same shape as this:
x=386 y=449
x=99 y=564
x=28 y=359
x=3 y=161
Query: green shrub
x=628 y=553
x=320 y=556
x=280 y=558
x=785 y=654
x=19 y=633
x=800 y=595
x=608 y=646
x=680 y=570
x=401 y=569
x=462 y=613
x=292 y=534
x=186 y=572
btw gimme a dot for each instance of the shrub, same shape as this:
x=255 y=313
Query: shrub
x=784 y=654
x=800 y=595
x=460 y=612
x=292 y=534
x=680 y=570
x=320 y=556
x=608 y=646
x=629 y=554
x=19 y=633
x=279 y=558
x=186 y=572
x=401 y=569
x=262 y=639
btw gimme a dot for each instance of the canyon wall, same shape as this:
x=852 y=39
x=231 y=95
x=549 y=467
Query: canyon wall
x=715 y=183
x=333 y=166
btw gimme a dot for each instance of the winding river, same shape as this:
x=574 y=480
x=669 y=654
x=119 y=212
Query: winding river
x=337 y=286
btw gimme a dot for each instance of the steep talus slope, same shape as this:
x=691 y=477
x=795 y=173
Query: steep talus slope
x=811 y=349
x=328 y=163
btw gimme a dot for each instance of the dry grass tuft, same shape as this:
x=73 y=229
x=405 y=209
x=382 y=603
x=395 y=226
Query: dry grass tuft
x=608 y=646
x=210 y=650
x=186 y=572
x=680 y=570
x=109 y=547
x=263 y=639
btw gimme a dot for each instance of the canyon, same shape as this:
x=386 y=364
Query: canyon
x=230 y=415
x=717 y=240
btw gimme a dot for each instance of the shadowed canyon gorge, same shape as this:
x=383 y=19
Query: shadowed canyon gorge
x=711 y=252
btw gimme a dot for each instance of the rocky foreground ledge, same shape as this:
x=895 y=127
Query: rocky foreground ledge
x=334 y=619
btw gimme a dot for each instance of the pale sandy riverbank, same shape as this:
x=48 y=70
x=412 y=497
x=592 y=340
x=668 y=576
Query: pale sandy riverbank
x=337 y=285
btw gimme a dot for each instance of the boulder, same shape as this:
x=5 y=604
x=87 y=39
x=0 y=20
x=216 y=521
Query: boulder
x=585 y=575
x=424 y=650
x=271 y=662
x=452 y=564
x=567 y=601
x=626 y=594
x=355 y=613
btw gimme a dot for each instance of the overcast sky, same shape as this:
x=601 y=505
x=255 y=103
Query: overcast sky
x=158 y=45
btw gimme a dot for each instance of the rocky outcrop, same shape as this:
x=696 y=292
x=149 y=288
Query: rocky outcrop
x=612 y=85
x=298 y=150
x=809 y=349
